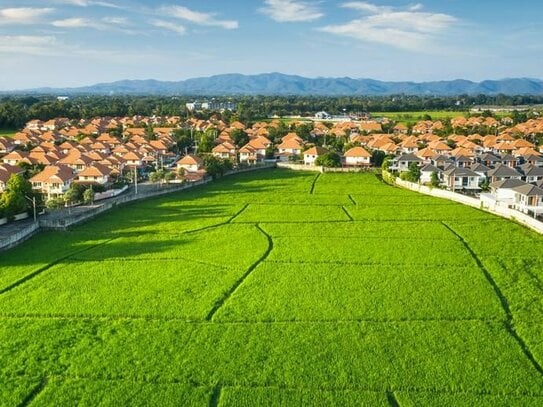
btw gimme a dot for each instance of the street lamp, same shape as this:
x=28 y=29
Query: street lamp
x=33 y=200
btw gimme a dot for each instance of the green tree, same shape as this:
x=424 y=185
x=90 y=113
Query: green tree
x=330 y=160
x=239 y=137
x=88 y=195
x=13 y=200
x=385 y=166
x=71 y=196
x=378 y=157
x=216 y=167
x=413 y=174
x=54 y=203
x=434 y=179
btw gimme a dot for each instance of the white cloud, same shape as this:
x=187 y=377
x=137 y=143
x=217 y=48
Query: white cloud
x=167 y=25
x=409 y=29
x=23 y=15
x=115 y=20
x=290 y=11
x=89 y=3
x=27 y=44
x=78 y=22
x=199 y=18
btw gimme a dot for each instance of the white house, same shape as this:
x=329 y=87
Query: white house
x=528 y=199
x=357 y=157
x=457 y=178
x=190 y=163
x=312 y=154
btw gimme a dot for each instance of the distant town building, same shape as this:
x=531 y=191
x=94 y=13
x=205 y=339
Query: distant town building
x=323 y=116
x=211 y=105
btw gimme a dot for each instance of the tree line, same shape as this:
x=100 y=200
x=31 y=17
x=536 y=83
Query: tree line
x=15 y=110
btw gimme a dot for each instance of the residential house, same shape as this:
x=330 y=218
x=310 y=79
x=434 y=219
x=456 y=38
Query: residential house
x=15 y=157
x=403 y=162
x=6 y=145
x=528 y=199
x=97 y=173
x=532 y=174
x=502 y=191
x=480 y=169
x=290 y=147
x=427 y=171
x=357 y=157
x=6 y=171
x=502 y=172
x=312 y=154
x=190 y=163
x=225 y=150
x=458 y=178
x=53 y=181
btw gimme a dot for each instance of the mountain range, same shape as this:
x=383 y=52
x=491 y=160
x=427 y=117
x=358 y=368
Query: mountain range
x=281 y=84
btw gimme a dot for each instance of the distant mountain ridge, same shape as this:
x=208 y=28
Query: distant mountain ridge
x=281 y=84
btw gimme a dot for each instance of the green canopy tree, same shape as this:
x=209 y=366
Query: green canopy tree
x=13 y=200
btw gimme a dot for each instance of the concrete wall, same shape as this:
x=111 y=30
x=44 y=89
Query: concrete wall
x=19 y=237
x=300 y=167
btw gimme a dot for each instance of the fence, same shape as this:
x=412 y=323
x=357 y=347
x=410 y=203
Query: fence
x=498 y=210
x=300 y=167
x=303 y=167
x=19 y=237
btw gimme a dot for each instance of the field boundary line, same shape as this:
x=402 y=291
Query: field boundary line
x=199 y=321
x=234 y=287
x=504 y=303
x=324 y=388
x=352 y=200
x=215 y=397
x=392 y=400
x=37 y=272
x=217 y=225
x=347 y=213
x=377 y=263
x=36 y=391
x=157 y=259
x=313 y=183
x=238 y=213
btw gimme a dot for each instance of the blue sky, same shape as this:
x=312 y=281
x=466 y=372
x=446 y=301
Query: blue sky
x=80 y=42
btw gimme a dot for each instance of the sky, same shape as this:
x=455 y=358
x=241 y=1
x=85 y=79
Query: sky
x=69 y=43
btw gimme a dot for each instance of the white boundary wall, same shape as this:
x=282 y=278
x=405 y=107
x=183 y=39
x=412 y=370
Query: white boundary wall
x=504 y=212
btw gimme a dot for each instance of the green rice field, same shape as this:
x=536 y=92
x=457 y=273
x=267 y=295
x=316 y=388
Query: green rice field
x=276 y=288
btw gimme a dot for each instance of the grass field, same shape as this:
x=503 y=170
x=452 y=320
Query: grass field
x=7 y=133
x=413 y=117
x=276 y=288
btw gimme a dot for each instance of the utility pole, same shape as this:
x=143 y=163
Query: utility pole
x=33 y=200
x=136 y=179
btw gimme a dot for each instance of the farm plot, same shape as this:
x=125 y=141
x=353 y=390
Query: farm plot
x=293 y=292
x=217 y=246
x=41 y=252
x=363 y=229
x=299 y=213
x=260 y=397
x=161 y=289
x=276 y=288
x=119 y=393
x=437 y=212
x=383 y=251
x=470 y=356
